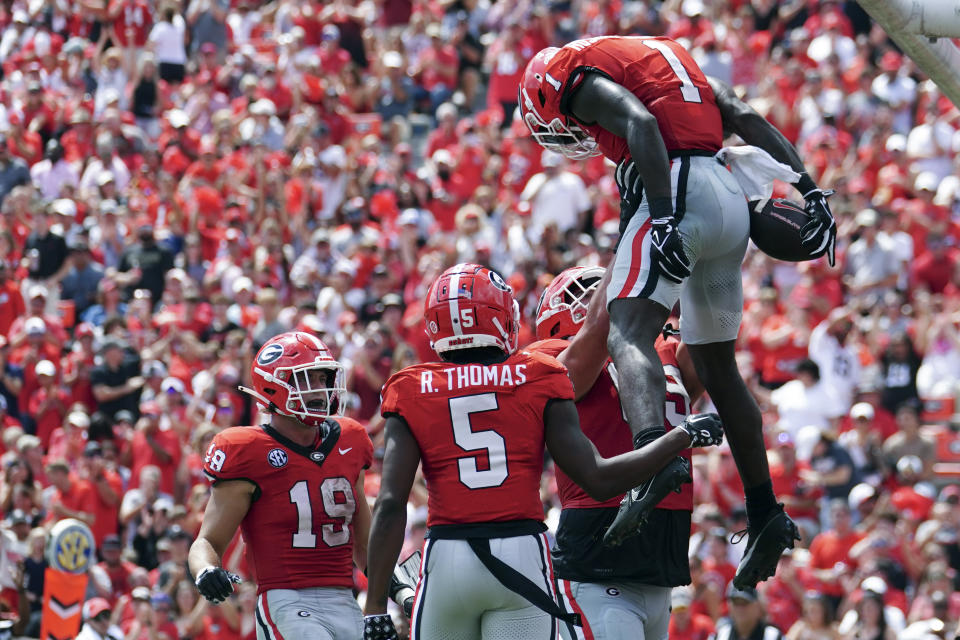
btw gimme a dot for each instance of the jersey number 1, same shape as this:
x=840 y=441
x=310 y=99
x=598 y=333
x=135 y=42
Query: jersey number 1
x=471 y=476
x=688 y=90
x=330 y=489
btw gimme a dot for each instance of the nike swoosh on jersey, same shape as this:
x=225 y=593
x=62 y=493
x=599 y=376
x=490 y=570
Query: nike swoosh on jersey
x=344 y=452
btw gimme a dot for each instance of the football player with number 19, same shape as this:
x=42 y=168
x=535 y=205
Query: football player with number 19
x=478 y=421
x=295 y=488
x=622 y=593
x=646 y=105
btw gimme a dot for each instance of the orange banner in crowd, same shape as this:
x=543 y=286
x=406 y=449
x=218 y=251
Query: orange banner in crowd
x=62 y=602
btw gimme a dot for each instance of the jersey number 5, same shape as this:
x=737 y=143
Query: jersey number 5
x=689 y=90
x=471 y=475
x=338 y=502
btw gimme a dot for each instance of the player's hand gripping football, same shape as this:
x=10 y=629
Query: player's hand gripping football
x=704 y=429
x=820 y=234
x=379 y=627
x=666 y=249
x=216 y=584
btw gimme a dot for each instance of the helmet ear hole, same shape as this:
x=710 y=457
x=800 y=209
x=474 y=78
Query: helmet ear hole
x=543 y=98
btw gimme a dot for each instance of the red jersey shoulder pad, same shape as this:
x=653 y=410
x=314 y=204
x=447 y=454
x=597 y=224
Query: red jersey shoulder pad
x=403 y=384
x=231 y=453
x=553 y=347
x=547 y=370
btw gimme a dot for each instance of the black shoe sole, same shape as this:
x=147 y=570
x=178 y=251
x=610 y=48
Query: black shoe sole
x=668 y=479
x=764 y=563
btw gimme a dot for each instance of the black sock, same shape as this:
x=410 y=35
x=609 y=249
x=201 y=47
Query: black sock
x=760 y=501
x=646 y=436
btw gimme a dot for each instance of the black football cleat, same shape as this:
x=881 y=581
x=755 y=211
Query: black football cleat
x=765 y=544
x=639 y=502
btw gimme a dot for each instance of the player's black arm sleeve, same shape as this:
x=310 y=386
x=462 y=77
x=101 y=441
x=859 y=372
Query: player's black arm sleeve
x=599 y=100
x=400 y=460
x=742 y=119
x=603 y=478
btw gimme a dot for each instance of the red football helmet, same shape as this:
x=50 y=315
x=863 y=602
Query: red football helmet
x=295 y=375
x=539 y=101
x=470 y=306
x=563 y=305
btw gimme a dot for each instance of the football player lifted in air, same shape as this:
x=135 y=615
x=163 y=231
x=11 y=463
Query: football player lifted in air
x=622 y=593
x=478 y=421
x=295 y=488
x=646 y=105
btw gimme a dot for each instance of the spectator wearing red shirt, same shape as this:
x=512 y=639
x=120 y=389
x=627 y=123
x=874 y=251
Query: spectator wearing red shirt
x=933 y=268
x=505 y=59
x=448 y=190
x=445 y=135
x=23 y=143
x=150 y=445
x=800 y=499
x=72 y=496
x=11 y=300
x=68 y=441
x=116 y=567
x=132 y=20
x=48 y=403
x=107 y=492
x=274 y=89
x=333 y=58
x=76 y=367
x=830 y=550
x=684 y=623
x=77 y=141
x=436 y=69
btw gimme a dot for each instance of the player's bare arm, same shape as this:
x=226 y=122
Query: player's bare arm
x=229 y=502
x=587 y=354
x=400 y=460
x=611 y=106
x=691 y=382
x=361 y=524
x=742 y=119
x=604 y=478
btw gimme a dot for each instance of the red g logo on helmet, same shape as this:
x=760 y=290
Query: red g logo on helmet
x=295 y=375
x=563 y=305
x=471 y=306
x=539 y=102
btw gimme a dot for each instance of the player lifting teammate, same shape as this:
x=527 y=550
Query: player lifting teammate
x=295 y=488
x=622 y=593
x=478 y=422
x=646 y=105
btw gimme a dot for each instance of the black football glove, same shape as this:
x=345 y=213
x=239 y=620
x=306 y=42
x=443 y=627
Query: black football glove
x=704 y=429
x=820 y=234
x=666 y=249
x=631 y=191
x=216 y=584
x=379 y=627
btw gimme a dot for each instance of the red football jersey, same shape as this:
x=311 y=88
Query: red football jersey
x=603 y=422
x=132 y=14
x=480 y=432
x=299 y=529
x=660 y=72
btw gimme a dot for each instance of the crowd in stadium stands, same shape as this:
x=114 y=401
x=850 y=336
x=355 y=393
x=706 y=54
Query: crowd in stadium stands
x=181 y=181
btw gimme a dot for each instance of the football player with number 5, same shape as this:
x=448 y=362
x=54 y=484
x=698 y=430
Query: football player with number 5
x=645 y=104
x=478 y=421
x=295 y=489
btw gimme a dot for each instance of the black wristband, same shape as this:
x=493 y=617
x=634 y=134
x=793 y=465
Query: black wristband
x=805 y=184
x=661 y=208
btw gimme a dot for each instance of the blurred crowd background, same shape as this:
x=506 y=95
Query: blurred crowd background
x=180 y=181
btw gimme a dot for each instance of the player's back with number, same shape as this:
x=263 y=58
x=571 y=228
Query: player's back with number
x=480 y=432
x=299 y=528
x=661 y=73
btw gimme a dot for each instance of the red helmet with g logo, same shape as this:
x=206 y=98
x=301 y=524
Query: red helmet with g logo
x=539 y=102
x=563 y=305
x=471 y=306
x=295 y=375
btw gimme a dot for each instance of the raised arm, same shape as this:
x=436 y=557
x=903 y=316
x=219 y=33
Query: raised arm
x=587 y=353
x=604 y=478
